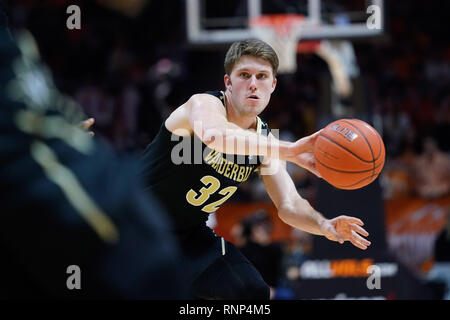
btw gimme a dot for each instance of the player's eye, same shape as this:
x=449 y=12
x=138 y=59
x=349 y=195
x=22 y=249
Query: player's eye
x=262 y=76
x=245 y=75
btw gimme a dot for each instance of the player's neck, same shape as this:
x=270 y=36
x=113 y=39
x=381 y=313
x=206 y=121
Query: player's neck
x=233 y=115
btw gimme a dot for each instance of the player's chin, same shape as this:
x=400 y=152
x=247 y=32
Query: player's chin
x=253 y=110
x=255 y=104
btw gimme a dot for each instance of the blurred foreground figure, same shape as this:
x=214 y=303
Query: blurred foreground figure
x=74 y=221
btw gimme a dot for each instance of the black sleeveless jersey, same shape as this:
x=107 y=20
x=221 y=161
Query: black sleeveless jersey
x=192 y=180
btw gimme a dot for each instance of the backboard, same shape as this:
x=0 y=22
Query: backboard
x=220 y=22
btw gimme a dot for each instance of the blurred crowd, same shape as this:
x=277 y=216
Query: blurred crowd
x=130 y=72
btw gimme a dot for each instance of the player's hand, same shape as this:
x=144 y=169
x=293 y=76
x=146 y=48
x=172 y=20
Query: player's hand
x=86 y=124
x=344 y=228
x=301 y=153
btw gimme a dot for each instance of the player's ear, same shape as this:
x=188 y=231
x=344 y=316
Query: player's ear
x=227 y=81
x=274 y=84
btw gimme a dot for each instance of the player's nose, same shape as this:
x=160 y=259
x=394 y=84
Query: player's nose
x=253 y=83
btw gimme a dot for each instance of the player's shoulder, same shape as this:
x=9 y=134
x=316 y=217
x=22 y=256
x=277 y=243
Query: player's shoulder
x=197 y=104
x=218 y=94
x=215 y=97
x=262 y=127
x=206 y=101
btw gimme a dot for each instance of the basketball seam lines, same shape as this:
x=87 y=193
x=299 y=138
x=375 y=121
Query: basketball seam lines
x=349 y=151
x=380 y=142
x=343 y=171
x=367 y=141
x=354 y=184
x=378 y=139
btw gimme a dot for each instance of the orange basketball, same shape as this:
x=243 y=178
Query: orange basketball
x=349 y=154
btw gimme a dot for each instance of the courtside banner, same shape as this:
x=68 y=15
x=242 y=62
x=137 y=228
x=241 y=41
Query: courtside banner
x=378 y=277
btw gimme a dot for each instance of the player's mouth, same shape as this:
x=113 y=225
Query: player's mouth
x=253 y=97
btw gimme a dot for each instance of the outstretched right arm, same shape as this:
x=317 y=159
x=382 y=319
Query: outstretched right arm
x=205 y=116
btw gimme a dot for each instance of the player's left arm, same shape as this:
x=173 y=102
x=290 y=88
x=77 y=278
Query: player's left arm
x=297 y=212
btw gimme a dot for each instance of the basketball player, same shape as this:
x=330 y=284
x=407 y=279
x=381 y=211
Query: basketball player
x=234 y=142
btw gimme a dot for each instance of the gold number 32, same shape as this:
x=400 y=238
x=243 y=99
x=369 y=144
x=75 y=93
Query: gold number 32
x=212 y=184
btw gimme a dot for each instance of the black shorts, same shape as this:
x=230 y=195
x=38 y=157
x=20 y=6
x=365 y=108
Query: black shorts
x=217 y=269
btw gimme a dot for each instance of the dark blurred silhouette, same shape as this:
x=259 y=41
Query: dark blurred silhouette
x=68 y=200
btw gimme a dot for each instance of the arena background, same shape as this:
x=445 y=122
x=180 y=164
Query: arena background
x=130 y=71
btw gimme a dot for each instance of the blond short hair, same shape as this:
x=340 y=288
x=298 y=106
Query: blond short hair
x=251 y=47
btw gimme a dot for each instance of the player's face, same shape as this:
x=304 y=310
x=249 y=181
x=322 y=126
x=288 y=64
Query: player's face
x=251 y=83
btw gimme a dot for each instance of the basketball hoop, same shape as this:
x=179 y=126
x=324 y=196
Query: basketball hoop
x=282 y=32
